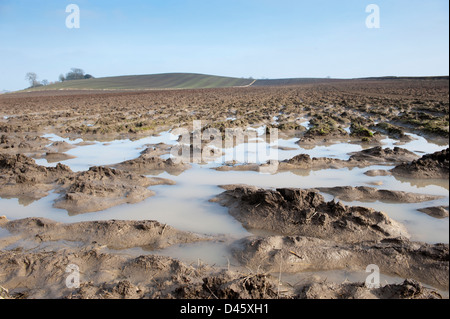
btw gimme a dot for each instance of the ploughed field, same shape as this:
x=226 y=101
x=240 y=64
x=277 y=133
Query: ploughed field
x=328 y=179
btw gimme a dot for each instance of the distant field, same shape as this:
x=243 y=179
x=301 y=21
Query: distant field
x=300 y=81
x=294 y=81
x=154 y=81
x=197 y=81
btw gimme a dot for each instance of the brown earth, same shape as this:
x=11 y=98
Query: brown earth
x=147 y=164
x=305 y=213
x=434 y=165
x=114 y=234
x=394 y=256
x=107 y=276
x=43 y=271
x=56 y=157
x=369 y=194
x=21 y=177
x=420 y=105
x=368 y=157
x=352 y=236
x=100 y=188
x=384 y=155
x=97 y=189
x=436 y=212
x=377 y=172
x=409 y=289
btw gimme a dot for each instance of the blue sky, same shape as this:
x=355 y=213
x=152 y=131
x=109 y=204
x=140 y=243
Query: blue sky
x=241 y=38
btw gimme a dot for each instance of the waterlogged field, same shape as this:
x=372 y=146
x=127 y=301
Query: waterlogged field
x=93 y=174
x=186 y=205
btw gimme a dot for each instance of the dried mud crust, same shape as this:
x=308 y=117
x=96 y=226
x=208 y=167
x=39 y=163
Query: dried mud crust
x=114 y=234
x=434 y=165
x=306 y=213
x=369 y=194
x=100 y=188
x=426 y=263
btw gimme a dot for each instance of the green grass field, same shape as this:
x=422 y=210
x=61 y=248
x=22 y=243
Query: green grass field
x=154 y=81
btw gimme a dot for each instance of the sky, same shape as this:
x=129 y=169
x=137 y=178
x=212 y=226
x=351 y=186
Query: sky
x=239 y=38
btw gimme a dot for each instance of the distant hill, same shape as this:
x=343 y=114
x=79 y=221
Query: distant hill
x=154 y=81
x=195 y=81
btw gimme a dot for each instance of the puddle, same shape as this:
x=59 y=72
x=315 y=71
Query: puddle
x=418 y=145
x=100 y=153
x=305 y=123
x=257 y=150
x=4 y=233
x=32 y=246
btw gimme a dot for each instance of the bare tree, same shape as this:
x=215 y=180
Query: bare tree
x=32 y=78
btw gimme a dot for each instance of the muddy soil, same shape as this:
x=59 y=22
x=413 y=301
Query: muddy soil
x=384 y=155
x=43 y=272
x=377 y=172
x=304 y=161
x=368 y=157
x=35 y=256
x=100 y=188
x=55 y=157
x=298 y=212
x=148 y=163
x=394 y=256
x=97 y=189
x=21 y=177
x=434 y=165
x=114 y=234
x=420 y=105
x=102 y=275
x=28 y=144
x=409 y=289
x=436 y=212
x=370 y=194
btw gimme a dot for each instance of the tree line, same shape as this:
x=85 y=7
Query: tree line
x=74 y=74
